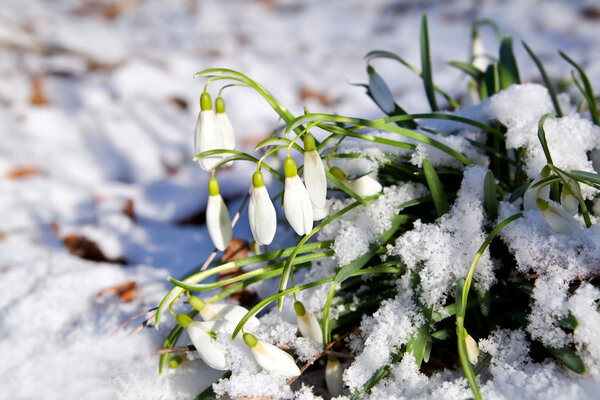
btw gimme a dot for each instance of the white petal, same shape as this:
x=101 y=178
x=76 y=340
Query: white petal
x=560 y=220
x=208 y=137
x=229 y=312
x=309 y=327
x=218 y=222
x=314 y=178
x=275 y=360
x=228 y=136
x=381 y=93
x=531 y=195
x=480 y=60
x=320 y=213
x=333 y=377
x=207 y=347
x=262 y=216
x=364 y=186
x=472 y=349
x=297 y=205
x=569 y=202
x=217 y=325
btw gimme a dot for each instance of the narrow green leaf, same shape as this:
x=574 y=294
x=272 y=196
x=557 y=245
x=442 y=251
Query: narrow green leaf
x=542 y=137
x=419 y=343
x=568 y=322
x=547 y=81
x=588 y=91
x=468 y=69
x=589 y=178
x=569 y=358
x=440 y=200
x=490 y=199
x=507 y=64
x=492 y=80
x=426 y=69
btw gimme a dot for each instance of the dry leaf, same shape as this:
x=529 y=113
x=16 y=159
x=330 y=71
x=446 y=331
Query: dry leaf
x=126 y=292
x=37 y=96
x=306 y=93
x=236 y=250
x=129 y=210
x=82 y=247
x=21 y=172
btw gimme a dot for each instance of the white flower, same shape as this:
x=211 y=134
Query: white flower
x=472 y=349
x=557 y=217
x=261 y=212
x=296 y=201
x=271 y=358
x=364 y=186
x=333 y=376
x=308 y=324
x=205 y=344
x=479 y=59
x=220 y=311
x=320 y=213
x=568 y=196
x=225 y=126
x=217 y=217
x=314 y=173
x=380 y=91
x=542 y=192
x=208 y=135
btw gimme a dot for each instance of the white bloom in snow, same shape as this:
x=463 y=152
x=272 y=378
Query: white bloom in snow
x=364 y=186
x=205 y=344
x=217 y=217
x=308 y=324
x=472 y=349
x=542 y=192
x=225 y=126
x=271 y=358
x=334 y=376
x=296 y=201
x=568 y=198
x=380 y=91
x=208 y=135
x=479 y=58
x=261 y=211
x=314 y=173
x=320 y=213
x=557 y=217
x=221 y=311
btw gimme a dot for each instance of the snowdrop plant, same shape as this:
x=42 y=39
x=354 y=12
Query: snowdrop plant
x=445 y=234
x=205 y=344
x=208 y=133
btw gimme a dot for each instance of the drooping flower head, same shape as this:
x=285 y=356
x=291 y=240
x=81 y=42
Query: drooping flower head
x=208 y=134
x=216 y=311
x=364 y=186
x=533 y=193
x=307 y=323
x=261 y=212
x=205 y=344
x=296 y=200
x=217 y=217
x=271 y=358
x=558 y=218
x=314 y=173
x=224 y=123
x=333 y=376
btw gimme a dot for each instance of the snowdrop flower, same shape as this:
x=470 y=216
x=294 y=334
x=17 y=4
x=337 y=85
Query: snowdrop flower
x=271 y=358
x=296 y=200
x=479 y=57
x=205 y=344
x=220 y=311
x=261 y=212
x=568 y=199
x=333 y=376
x=308 y=324
x=543 y=192
x=364 y=186
x=314 y=173
x=472 y=349
x=558 y=218
x=208 y=135
x=217 y=217
x=320 y=213
x=224 y=124
x=380 y=91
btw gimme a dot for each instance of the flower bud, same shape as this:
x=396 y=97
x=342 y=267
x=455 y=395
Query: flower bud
x=314 y=173
x=308 y=324
x=543 y=192
x=217 y=217
x=261 y=212
x=364 y=186
x=568 y=197
x=558 y=218
x=220 y=311
x=297 y=205
x=271 y=358
x=224 y=123
x=208 y=134
x=205 y=344
x=472 y=349
x=333 y=376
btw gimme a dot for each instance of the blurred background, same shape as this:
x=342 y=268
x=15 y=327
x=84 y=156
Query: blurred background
x=100 y=200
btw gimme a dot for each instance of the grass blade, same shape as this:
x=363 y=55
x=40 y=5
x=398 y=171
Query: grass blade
x=440 y=200
x=507 y=64
x=545 y=78
x=426 y=70
x=588 y=91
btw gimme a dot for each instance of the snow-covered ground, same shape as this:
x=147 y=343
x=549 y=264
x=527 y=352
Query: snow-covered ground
x=97 y=112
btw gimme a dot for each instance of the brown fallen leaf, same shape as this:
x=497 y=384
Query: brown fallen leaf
x=37 y=95
x=306 y=93
x=126 y=292
x=82 y=247
x=21 y=172
x=129 y=210
x=237 y=250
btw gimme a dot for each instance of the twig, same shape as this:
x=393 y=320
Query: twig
x=337 y=354
x=131 y=319
x=178 y=349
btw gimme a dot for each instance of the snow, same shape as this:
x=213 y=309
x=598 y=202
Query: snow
x=113 y=123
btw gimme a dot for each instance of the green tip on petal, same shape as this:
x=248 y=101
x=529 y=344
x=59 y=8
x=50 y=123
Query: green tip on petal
x=220 y=105
x=213 y=187
x=183 y=320
x=174 y=361
x=338 y=173
x=299 y=308
x=205 y=103
x=309 y=142
x=197 y=303
x=250 y=339
x=542 y=204
x=289 y=167
x=257 y=179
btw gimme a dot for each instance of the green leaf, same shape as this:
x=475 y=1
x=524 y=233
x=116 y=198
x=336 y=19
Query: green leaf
x=440 y=200
x=542 y=137
x=468 y=69
x=490 y=200
x=507 y=64
x=419 y=344
x=346 y=189
x=492 y=81
x=569 y=358
x=589 y=178
x=588 y=91
x=547 y=81
x=568 y=322
x=426 y=64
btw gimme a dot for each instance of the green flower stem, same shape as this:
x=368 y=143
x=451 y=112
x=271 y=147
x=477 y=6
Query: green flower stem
x=238 y=155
